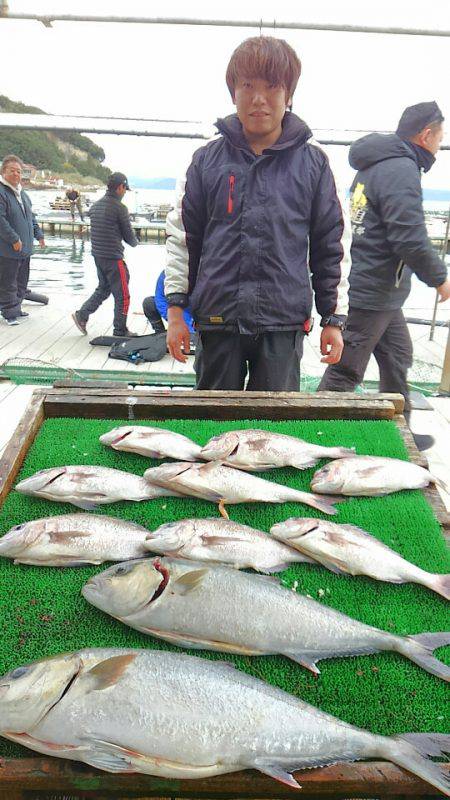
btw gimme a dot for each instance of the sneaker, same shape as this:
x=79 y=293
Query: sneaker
x=80 y=323
x=12 y=321
x=126 y=334
x=423 y=441
x=23 y=313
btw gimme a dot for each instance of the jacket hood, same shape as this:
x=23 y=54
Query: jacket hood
x=295 y=131
x=377 y=147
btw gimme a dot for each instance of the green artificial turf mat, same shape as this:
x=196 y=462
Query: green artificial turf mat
x=43 y=613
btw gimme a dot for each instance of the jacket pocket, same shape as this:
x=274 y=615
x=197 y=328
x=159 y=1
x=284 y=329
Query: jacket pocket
x=399 y=273
x=224 y=193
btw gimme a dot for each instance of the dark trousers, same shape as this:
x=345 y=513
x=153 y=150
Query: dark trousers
x=153 y=315
x=272 y=361
x=113 y=278
x=14 y=274
x=386 y=335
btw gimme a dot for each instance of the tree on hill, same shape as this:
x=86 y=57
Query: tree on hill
x=37 y=147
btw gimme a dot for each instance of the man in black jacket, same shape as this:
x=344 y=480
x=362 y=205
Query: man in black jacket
x=257 y=229
x=389 y=242
x=110 y=223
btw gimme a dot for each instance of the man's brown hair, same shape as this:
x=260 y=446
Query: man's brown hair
x=9 y=159
x=266 y=57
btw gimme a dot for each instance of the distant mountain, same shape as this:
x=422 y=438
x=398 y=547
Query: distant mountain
x=436 y=194
x=152 y=183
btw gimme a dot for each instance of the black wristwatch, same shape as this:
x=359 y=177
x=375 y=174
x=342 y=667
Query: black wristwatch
x=335 y=321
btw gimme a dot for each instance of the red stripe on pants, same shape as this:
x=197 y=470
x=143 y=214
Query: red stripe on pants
x=124 y=282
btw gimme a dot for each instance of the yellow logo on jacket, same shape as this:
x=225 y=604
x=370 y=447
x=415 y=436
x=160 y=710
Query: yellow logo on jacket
x=358 y=208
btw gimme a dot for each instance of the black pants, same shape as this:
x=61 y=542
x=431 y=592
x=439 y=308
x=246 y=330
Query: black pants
x=113 y=278
x=386 y=335
x=153 y=315
x=271 y=359
x=14 y=274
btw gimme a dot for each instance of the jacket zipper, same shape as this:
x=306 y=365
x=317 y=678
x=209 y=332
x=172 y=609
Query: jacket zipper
x=231 y=181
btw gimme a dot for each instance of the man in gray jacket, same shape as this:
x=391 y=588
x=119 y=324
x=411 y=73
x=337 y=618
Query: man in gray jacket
x=110 y=224
x=390 y=241
x=18 y=227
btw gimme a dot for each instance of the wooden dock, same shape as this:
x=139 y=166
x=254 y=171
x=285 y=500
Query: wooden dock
x=145 y=230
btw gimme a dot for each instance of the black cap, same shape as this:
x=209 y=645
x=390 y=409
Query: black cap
x=117 y=179
x=415 y=118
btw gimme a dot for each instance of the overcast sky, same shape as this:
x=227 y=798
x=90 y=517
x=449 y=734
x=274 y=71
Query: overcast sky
x=354 y=81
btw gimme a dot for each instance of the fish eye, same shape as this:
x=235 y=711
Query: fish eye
x=17 y=673
x=18 y=527
x=123 y=569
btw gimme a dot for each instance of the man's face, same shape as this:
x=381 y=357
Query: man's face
x=121 y=190
x=432 y=138
x=260 y=106
x=12 y=172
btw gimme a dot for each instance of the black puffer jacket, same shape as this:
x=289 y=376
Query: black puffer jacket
x=253 y=236
x=110 y=223
x=388 y=225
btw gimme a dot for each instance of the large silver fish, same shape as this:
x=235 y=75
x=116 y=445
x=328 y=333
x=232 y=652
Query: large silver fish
x=71 y=540
x=256 y=450
x=219 y=608
x=370 y=475
x=177 y=716
x=348 y=549
x=87 y=487
x=222 y=540
x=152 y=442
x=222 y=485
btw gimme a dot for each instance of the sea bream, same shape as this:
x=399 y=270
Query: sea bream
x=152 y=442
x=214 y=607
x=177 y=716
x=257 y=450
x=87 y=486
x=72 y=540
x=221 y=485
x=370 y=475
x=222 y=540
x=351 y=550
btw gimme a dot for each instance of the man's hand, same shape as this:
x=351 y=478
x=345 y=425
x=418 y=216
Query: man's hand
x=444 y=291
x=331 y=344
x=42 y=243
x=17 y=246
x=178 y=337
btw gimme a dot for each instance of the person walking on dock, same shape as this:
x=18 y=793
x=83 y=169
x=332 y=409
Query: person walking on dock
x=390 y=241
x=110 y=224
x=18 y=228
x=258 y=227
x=74 y=198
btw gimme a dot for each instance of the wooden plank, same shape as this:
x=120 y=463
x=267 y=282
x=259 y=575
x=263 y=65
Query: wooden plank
x=369 y=779
x=20 y=442
x=187 y=405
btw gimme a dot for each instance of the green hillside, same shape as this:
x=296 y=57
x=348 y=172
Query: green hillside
x=40 y=148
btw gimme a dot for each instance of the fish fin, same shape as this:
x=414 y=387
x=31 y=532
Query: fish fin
x=276 y=771
x=276 y=568
x=189 y=581
x=86 y=505
x=439 y=482
x=410 y=753
x=210 y=466
x=110 y=757
x=419 y=649
x=306 y=662
x=304 y=464
x=108 y=672
x=428 y=744
x=336 y=566
x=441 y=585
x=218 y=540
x=222 y=510
x=322 y=502
x=183 y=640
x=58 y=562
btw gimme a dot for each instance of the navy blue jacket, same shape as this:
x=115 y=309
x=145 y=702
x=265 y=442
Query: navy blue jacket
x=16 y=223
x=388 y=225
x=252 y=236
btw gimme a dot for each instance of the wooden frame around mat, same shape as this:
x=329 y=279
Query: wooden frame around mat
x=23 y=778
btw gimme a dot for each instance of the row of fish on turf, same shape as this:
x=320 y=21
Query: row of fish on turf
x=223 y=480
x=212 y=607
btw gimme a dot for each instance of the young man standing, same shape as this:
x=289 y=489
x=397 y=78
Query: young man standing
x=110 y=223
x=18 y=227
x=390 y=241
x=257 y=228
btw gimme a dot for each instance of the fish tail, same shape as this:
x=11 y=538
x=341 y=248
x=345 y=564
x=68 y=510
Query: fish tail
x=322 y=502
x=410 y=751
x=439 y=584
x=340 y=452
x=420 y=650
